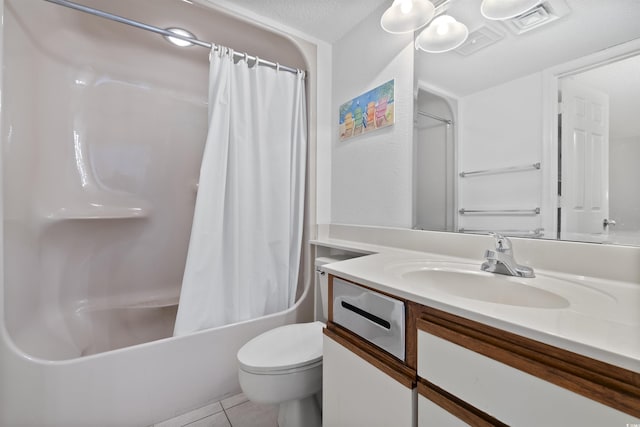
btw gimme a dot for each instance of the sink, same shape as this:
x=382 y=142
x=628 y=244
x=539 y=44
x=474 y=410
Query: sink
x=468 y=281
x=487 y=287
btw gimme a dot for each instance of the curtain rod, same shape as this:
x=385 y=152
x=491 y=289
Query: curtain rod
x=166 y=33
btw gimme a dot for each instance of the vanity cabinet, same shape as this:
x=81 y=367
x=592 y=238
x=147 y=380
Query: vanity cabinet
x=485 y=376
x=459 y=372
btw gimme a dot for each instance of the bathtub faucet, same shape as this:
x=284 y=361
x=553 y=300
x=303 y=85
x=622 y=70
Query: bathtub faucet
x=501 y=260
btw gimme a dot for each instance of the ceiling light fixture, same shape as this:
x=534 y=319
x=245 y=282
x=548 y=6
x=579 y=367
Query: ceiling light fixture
x=442 y=35
x=500 y=10
x=404 y=16
x=179 y=42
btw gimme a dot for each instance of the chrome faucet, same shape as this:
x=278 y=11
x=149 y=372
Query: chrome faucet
x=501 y=260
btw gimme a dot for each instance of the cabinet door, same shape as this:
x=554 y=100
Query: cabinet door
x=508 y=394
x=356 y=393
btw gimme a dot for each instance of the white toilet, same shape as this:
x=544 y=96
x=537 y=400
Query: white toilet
x=284 y=366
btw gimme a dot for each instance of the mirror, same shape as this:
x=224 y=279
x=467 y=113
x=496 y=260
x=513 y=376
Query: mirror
x=500 y=140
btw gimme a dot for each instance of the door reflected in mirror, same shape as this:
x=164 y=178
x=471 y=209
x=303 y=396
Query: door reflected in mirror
x=600 y=149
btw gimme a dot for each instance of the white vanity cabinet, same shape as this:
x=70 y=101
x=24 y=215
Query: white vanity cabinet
x=458 y=372
x=503 y=379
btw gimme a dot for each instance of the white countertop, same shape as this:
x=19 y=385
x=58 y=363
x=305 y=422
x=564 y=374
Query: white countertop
x=602 y=320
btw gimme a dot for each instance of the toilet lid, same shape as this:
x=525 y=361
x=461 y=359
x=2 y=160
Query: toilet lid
x=283 y=348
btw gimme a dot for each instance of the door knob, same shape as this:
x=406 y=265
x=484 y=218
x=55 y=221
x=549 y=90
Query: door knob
x=607 y=222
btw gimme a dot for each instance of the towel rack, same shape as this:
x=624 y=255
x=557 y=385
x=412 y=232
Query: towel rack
x=501 y=170
x=535 y=211
x=537 y=232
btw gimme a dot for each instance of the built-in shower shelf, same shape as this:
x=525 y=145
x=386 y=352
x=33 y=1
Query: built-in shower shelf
x=92 y=211
x=154 y=303
x=162 y=300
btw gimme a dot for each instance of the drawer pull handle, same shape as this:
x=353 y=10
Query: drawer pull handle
x=372 y=317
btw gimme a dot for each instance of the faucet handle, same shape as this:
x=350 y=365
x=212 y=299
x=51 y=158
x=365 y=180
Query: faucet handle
x=503 y=244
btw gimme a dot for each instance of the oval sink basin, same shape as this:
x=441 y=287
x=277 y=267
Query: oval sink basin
x=488 y=287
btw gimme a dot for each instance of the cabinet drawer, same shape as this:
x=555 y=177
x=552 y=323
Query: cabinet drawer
x=373 y=316
x=508 y=394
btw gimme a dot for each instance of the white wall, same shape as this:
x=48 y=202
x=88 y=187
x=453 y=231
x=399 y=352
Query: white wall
x=324 y=132
x=372 y=173
x=502 y=127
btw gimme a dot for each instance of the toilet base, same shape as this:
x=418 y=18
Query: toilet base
x=300 y=413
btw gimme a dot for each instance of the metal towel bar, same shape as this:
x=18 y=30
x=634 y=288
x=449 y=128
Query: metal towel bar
x=538 y=232
x=535 y=211
x=501 y=170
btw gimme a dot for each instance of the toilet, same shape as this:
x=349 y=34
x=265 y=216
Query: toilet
x=284 y=366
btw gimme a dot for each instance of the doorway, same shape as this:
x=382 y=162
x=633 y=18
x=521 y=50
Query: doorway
x=434 y=163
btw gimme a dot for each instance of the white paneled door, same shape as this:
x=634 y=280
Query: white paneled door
x=584 y=200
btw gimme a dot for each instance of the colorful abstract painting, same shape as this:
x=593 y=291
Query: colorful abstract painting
x=368 y=112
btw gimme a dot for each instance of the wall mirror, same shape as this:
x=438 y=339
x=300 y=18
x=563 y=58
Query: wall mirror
x=529 y=127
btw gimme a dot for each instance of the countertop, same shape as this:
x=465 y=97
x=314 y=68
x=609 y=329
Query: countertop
x=601 y=321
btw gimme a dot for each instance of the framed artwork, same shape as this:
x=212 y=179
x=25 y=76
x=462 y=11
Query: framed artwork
x=368 y=112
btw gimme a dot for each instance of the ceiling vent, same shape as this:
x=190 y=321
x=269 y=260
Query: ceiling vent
x=543 y=14
x=479 y=39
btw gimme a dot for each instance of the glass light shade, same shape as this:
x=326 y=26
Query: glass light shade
x=442 y=35
x=500 y=10
x=404 y=16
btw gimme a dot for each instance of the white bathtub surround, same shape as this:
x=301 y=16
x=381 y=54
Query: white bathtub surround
x=77 y=282
x=244 y=252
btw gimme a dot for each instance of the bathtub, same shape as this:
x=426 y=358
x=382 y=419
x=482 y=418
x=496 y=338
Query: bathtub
x=103 y=128
x=133 y=386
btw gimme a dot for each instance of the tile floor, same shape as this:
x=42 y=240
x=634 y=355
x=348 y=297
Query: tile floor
x=234 y=411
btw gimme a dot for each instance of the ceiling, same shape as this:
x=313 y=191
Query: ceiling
x=326 y=20
x=590 y=26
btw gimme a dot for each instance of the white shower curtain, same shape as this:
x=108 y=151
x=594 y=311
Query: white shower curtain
x=246 y=238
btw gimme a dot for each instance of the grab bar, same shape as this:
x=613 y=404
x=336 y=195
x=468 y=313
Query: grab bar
x=501 y=170
x=537 y=232
x=535 y=211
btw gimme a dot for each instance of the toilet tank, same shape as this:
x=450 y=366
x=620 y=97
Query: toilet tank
x=322 y=284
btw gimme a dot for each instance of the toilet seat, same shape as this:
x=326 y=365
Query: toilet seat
x=283 y=350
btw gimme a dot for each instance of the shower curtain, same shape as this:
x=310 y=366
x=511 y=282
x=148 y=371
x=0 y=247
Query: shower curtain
x=244 y=253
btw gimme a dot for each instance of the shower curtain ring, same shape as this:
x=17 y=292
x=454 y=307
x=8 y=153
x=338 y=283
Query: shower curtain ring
x=277 y=66
x=255 y=64
x=246 y=58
